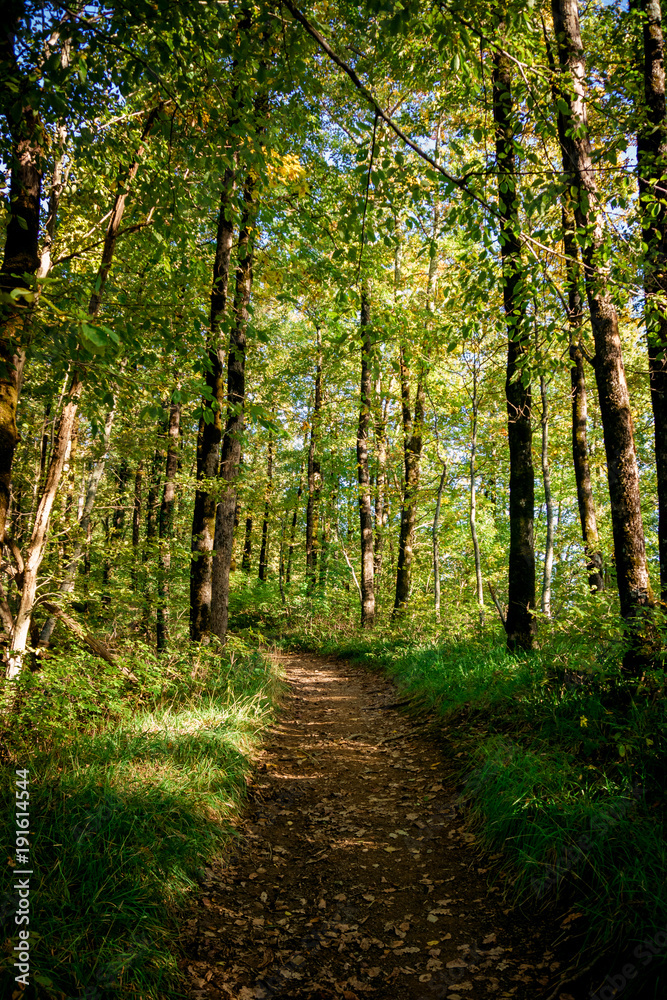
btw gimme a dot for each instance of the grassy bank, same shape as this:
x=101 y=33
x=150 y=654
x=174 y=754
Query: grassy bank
x=562 y=768
x=134 y=782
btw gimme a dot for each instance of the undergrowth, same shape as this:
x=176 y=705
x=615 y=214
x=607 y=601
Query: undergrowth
x=135 y=778
x=562 y=763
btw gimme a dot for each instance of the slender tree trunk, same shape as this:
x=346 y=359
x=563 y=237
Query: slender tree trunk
x=623 y=474
x=247 y=545
x=136 y=522
x=652 y=170
x=230 y=457
x=520 y=620
x=314 y=473
x=116 y=528
x=549 y=504
x=167 y=526
x=582 y=471
x=380 y=481
x=412 y=446
x=295 y=518
x=324 y=542
x=365 y=509
x=154 y=492
x=210 y=425
x=264 y=551
x=436 y=547
x=21 y=256
x=281 y=561
x=479 y=583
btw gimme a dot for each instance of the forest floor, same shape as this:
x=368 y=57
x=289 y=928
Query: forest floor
x=354 y=874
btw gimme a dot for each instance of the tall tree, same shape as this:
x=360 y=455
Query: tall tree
x=210 y=423
x=314 y=469
x=166 y=526
x=264 y=550
x=230 y=457
x=363 y=475
x=20 y=104
x=580 y=452
x=652 y=171
x=615 y=409
x=520 y=619
x=412 y=447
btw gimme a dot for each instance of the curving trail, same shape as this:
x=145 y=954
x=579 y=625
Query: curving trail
x=354 y=875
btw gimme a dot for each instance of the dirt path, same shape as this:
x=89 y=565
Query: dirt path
x=354 y=875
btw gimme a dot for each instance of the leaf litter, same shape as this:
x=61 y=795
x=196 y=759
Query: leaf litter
x=331 y=889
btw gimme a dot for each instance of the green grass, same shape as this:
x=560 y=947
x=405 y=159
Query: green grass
x=132 y=789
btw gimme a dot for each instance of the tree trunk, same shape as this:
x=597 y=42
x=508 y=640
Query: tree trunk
x=623 y=474
x=281 y=561
x=365 y=510
x=324 y=542
x=230 y=457
x=210 y=425
x=116 y=528
x=549 y=504
x=264 y=550
x=520 y=620
x=479 y=583
x=652 y=170
x=314 y=474
x=380 y=481
x=136 y=522
x=167 y=526
x=295 y=518
x=247 y=545
x=21 y=238
x=436 y=548
x=412 y=446
x=582 y=471
x=84 y=525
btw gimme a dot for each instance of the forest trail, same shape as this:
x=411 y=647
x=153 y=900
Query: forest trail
x=354 y=875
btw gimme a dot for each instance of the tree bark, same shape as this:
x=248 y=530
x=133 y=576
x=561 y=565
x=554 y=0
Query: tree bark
x=324 y=540
x=580 y=455
x=167 y=526
x=652 y=171
x=381 y=512
x=436 y=547
x=623 y=474
x=21 y=256
x=230 y=457
x=520 y=620
x=549 y=504
x=365 y=510
x=247 y=545
x=412 y=446
x=210 y=425
x=264 y=550
x=84 y=525
x=295 y=518
x=314 y=473
x=136 y=522
x=115 y=530
x=479 y=583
